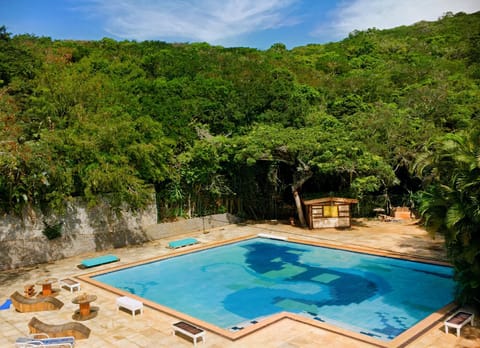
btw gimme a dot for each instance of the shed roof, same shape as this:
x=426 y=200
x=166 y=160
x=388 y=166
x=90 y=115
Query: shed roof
x=331 y=200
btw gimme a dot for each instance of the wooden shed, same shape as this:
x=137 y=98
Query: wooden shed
x=329 y=212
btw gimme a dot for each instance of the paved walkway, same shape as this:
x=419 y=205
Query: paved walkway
x=152 y=329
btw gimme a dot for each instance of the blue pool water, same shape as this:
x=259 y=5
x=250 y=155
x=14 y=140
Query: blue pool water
x=236 y=284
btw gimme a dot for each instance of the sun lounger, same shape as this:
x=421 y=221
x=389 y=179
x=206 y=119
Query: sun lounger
x=182 y=242
x=74 y=329
x=70 y=284
x=189 y=330
x=100 y=260
x=129 y=303
x=28 y=304
x=458 y=320
x=45 y=341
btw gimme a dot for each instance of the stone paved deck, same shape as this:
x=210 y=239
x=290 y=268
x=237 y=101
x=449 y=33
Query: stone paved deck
x=153 y=328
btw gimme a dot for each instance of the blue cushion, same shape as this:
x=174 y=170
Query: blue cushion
x=96 y=261
x=6 y=304
x=53 y=341
x=58 y=340
x=182 y=242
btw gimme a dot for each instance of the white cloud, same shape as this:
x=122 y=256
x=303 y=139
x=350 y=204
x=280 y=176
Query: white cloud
x=190 y=20
x=384 y=14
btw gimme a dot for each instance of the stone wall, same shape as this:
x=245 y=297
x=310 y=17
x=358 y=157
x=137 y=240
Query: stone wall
x=22 y=242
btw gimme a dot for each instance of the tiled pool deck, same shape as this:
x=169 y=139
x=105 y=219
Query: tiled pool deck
x=153 y=329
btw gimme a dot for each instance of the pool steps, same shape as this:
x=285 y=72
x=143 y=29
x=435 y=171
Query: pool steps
x=244 y=324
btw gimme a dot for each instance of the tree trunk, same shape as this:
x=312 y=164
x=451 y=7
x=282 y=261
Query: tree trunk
x=298 y=204
x=301 y=175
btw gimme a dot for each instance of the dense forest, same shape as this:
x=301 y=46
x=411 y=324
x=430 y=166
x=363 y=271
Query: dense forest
x=390 y=117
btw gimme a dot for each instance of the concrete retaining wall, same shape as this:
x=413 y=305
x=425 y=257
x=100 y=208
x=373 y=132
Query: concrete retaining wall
x=169 y=229
x=22 y=242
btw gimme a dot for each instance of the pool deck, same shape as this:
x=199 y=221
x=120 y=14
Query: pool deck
x=153 y=329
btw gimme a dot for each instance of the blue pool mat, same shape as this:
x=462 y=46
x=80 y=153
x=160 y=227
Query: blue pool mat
x=100 y=260
x=6 y=304
x=182 y=242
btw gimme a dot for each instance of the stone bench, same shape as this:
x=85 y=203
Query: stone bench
x=129 y=303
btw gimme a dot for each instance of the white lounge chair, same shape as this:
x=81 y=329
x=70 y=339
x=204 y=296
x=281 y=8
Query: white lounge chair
x=43 y=340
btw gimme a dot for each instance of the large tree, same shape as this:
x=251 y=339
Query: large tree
x=324 y=149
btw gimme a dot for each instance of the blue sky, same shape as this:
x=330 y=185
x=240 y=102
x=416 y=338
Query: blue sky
x=248 y=23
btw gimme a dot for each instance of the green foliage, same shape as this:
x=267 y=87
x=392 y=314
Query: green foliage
x=321 y=151
x=52 y=231
x=16 y=63
x=211 y=127
x=451 y=203
x=199 y=183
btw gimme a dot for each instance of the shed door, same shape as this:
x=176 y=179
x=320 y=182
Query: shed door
x=330 y=211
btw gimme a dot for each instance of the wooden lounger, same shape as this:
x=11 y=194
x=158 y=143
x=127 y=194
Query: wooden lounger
x=189 y=330
x=74 y=329
x=27 y=304
x=182 y=242
x=100 y=260
x=458 y=320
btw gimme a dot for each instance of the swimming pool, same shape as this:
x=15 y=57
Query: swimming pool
x=235 y=285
